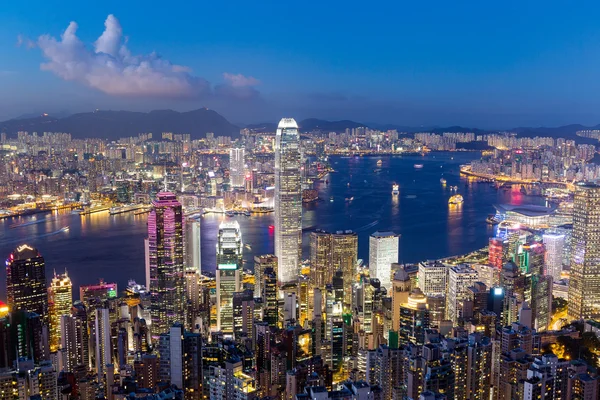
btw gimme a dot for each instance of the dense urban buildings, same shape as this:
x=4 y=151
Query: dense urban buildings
x=516 y=319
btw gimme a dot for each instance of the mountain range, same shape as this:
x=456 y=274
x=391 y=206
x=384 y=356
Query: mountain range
x=117 y=124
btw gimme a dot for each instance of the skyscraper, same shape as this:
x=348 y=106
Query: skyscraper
x=554 y=244
x=60 y=300
x=236 y=166
x=229 y=264
x=192 y=245
x=584 y=283
x=26 y=281
x=288 y=200
x=261 y=263
x=460 y=279
x=383 y=251
x=165 y=262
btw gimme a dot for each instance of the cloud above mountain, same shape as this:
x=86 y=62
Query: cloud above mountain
x=109 y=66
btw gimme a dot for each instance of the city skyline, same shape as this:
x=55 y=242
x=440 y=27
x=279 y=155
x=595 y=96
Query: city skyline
x=387 y=72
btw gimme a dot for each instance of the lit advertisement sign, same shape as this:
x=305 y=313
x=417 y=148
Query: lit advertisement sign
x=227 y=266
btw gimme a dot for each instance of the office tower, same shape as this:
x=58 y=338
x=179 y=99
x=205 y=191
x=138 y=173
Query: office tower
x=28 y=337
x=497 y=252
x=330 y=252
x=305 y=294
x=383 y=252
x=541 y=302
x=479 y=365
x=146 y=371
x=460 y=279
x=103 y=343
x=584 y=282
x=261 y=263
x=288 y=201
x=60 y=300
x=165 y=262
x=26 y=281
x=401 y=287
x=243 y=314
x=229 y=265
x=270 y=296
x=93 y=295
x=236 y=166
x=74 y=338
x=433 y=278
x=192 y=245
x=555 y=246
x=414 y=319
x=170 y=350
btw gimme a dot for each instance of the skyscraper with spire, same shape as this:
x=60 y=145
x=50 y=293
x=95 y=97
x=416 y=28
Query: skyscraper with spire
x=165 y=262
x=288 y=200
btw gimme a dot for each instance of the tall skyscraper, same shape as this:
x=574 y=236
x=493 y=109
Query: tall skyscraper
x=383 y=252
x=102 y=341
x=26 y=281
x=60 y=300
x=193 y=259
x=288 y=201
x=165 y=262
x=460 y=279
x=261 y=263
x=236 y=166
x=229 y=265
x=555 y=245
x=584 y=283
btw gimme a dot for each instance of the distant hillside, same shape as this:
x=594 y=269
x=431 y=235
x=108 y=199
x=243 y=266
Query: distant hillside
x=310 y=125
x=116 y=124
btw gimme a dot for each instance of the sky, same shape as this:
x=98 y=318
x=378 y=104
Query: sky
x=413 y=63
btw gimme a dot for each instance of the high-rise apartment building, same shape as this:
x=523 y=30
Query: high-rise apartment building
x=555 y=246
x=229 y=265
x=288 y=200
x=433 y=278
x=193 y=259
x=165 y=262
x=383 y=252
x=60 y=300
x=26 y=281
x=584 y=282
x=460 y=279
x=236 y=166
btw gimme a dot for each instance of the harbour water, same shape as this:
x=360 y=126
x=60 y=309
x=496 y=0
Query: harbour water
x=112 y=246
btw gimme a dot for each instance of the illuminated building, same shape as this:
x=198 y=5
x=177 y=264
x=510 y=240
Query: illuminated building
x=193 y=260
x=330 y=252
x=26 y=281
x=401 y=287
x=479 y=366
x=584 y=283
x=533 y=216
x=236 y=166
x=497 y=252
x=229 y=264
x=60 y=300
x=165 y=261
x=92 y=295
x=270 y=297
x=243 y=314
x=304 y=300
x=460 y=279
x=414 y=319
x=433 y=278
x=4 y=309
x=288 y=200
x=554 y=245
x=228 y=381
x=261 y=263
x=383 y=252
x=74 y=337
x=103 y=341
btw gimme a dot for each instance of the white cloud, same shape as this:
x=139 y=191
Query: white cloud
x=239 y=80
x=112 y=69
x=24 y=41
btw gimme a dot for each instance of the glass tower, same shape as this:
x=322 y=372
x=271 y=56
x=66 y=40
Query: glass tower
x=383 y=252
x=229 y=264
x=60 y=299
x=288 y=201
x=165 y=262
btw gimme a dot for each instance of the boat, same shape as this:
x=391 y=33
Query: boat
x=443 y=181
x=418 y=166
x=379 y=163
x=456 y=199
x=246 y=213
x=331 y=199
x=377 y=170
x=65 y=229
x=229 y=213
x=492 y=220
x=349 y=198
x=395 y=189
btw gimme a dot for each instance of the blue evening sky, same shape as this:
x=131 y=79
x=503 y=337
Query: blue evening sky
x=475 y=63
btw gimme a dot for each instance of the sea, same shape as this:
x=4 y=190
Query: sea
x=357 y=196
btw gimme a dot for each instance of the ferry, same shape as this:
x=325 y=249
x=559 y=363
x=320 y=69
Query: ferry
x=418 y=166
x=395 y=190
x=331 y=199
x=456 y=199
x=349 y=198
x=443 y=181
x=379 y=163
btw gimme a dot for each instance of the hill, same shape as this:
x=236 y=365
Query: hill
x=116 y=124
